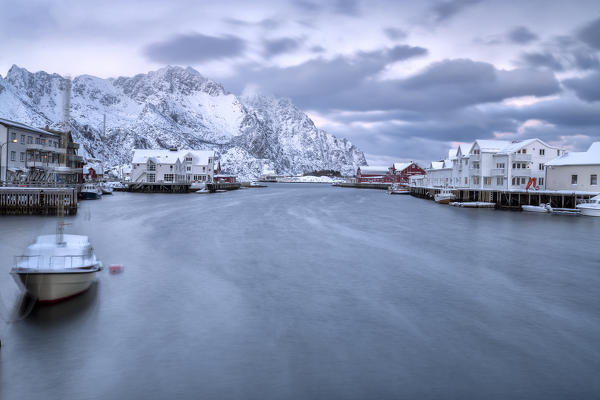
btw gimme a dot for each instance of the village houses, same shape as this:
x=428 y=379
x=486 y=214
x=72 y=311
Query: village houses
x=172 y=166
x=575 y=171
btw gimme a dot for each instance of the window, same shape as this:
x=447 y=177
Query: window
x=168 y=178
x=500 y=165
x=151 y=178
x=37 y=140
x=573 y=179
x=188 y=159
x=43 y=141
x=541 y=167
x=542 y=152
x=22 y=139
x=29 y=140
x=203 y=169
x=210 y=160
x=476 y=180
x=593 y=179
x=189 y=168
x=514 y=180
x=22 y=156
x=541 y=181
x=466 y=181
x=151 y=166
x=558 y=152
x=13 y=156
x=524 y=151
x=499 y=181
x=13 y=137
x=519 y=165
x=487 y=180
x=30 y=156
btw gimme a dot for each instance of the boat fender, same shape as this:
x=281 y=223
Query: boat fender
x=115 y=268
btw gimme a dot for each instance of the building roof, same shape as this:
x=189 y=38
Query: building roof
x=200 y=157
x=513 y=147
x=402 y=166
x=490 y=145
x=374 y=170
x=14 y=124
x=436 y=165
x=589 y=157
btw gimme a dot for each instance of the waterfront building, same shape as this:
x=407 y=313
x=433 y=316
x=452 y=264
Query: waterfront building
x=397 y=173
x=494 y=165
x=575 y=171
x=221 y=177
x=172 y=166
x=29 y=154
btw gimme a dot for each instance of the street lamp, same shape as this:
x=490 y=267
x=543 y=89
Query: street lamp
x=2 y=145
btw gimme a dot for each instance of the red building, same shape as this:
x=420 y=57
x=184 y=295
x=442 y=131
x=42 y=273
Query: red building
x=397 y=173
x=220 y=177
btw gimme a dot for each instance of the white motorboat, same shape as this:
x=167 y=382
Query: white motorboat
x=106 y=189
x=444 y=197
x=56 y=267
x=397 y=189
x=542 y=208
x=89 y=191
x=590 y=208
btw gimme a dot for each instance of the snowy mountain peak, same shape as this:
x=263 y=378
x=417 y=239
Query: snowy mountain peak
x=176 y=106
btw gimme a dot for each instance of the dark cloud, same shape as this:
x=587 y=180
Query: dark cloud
x=447 y=9
x=586 y=88
x=542 y=60
x=278 y=46
x=347 y=7
x=308 y=6
x=194 y=48
x=521 y=35
x=590 y=34
x=317 y=49
x=395 y=33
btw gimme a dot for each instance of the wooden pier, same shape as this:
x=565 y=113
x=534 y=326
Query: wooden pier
x=213 y=187
x=145 y=187
x=509 y=199
x=37 y=200
x=381 y=186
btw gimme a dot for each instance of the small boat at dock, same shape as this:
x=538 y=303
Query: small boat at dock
x=89 y=191
x=397 y=189
x=590 y=208
x=444 y=197
x=106 y=189
x=542 y=208
x=473 y=204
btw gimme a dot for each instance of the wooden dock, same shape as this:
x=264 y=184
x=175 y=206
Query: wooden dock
x=37 y=200
x=145 y=187
x=213 y=187
x=381 y=186
x=512 y=200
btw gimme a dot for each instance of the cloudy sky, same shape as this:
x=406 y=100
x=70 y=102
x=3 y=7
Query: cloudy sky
x=402 y=79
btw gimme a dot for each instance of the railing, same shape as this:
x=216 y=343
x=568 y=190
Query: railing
x=521 y=157
x=498 y=171
x=41 y=164
x=475 y=157
x=521 y=172
x=51 y=262
x=45 y=147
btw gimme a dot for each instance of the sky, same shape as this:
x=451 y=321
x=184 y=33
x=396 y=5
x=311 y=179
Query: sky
x=403 y=80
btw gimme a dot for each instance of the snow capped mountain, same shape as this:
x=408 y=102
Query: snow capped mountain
x=177 y=107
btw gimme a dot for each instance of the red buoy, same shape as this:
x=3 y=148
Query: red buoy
x=115 y=268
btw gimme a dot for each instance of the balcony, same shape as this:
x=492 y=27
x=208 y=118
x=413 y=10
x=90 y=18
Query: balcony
x=41 y=164
x=498 y=172
x=521 y=157
x=521 y=172
x=475 y=157
x=46 y=148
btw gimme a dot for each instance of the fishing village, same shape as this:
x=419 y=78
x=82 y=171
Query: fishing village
x=39 y=166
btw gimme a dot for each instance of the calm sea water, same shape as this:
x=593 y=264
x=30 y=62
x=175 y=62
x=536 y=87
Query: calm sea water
x=312 y=292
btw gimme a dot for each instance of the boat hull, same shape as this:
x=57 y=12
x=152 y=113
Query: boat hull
x=54 y=287
x=538 y=209
x=444 y=200
x=590 y=212
x=90 y=196
x=400 y=192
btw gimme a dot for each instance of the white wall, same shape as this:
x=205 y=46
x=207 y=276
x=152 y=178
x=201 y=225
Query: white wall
x=559 y=177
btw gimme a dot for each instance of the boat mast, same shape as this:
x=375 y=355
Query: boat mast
x=60 y=211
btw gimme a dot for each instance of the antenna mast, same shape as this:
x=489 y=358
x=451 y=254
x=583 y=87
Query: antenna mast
x=60 y=211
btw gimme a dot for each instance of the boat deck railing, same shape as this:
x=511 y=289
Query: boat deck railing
x=51 y=262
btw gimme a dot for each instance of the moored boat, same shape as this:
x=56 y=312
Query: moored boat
x=397 y=189
x=89 y=191
x=591 y=208
x=106 y=189
x=542 y=208
x=444 y=197
x=56 y=267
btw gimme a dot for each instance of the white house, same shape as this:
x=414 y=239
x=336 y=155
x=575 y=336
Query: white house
x=576 y=171
x=172 y=166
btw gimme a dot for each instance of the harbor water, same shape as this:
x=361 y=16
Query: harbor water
x=301 y=291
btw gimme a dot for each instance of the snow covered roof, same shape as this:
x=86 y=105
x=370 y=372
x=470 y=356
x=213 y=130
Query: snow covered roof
x=401 y=166
x=14 y=124
x=199 y=157
x=452 y=153
x=437 y=165
x=589 y=157
x=490 y=145
x=98 y=168
x=513 y=147
x=373 y=170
